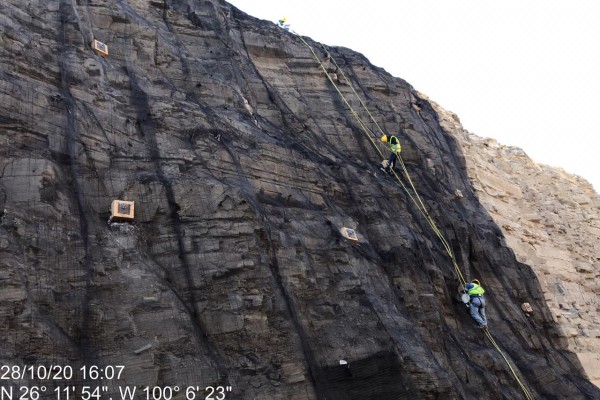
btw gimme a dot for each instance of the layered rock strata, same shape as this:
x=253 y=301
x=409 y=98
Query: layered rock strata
x=243 y=164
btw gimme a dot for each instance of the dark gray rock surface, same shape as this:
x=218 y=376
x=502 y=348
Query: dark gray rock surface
x=244 y=163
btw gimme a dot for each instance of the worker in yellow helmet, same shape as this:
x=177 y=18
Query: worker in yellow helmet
x=477 y=302
x=282 y=23
x=395 y=147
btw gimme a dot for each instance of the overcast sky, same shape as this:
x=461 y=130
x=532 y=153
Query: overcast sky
x=524 y=72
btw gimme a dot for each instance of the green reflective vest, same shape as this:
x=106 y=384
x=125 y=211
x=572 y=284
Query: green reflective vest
x=476 y=290
x=395 y=144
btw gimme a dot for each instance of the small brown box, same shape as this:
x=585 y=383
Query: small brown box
x=526 y=307
x=121 y=210
x=100 y=48
x=349 y=234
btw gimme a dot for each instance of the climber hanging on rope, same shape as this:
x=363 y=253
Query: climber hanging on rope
x=395 y=147
x=281 y=23
x=477 y=302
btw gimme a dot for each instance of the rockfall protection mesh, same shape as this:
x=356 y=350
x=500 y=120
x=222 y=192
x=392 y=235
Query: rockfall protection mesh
x=65 y=149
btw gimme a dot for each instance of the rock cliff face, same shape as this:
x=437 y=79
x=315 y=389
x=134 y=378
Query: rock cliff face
x=551 y=220
x=244 y=163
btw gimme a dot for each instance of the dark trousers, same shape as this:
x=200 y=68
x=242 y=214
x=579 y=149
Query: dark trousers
x=392 y=161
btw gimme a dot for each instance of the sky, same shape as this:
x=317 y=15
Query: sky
x=524 y=72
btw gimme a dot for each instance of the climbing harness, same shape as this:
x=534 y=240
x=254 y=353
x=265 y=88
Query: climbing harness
x=416 y=199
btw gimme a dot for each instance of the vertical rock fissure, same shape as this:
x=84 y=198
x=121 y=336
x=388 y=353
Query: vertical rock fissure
x=86 y=350
x=287 y=113
x=313 y=367
x=403 y=349
x=140 y=101
x=273 y=263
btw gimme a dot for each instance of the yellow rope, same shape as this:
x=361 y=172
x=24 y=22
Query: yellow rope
x=419 y=204
x=523 y=388
x=431 y=222
x=340 y=93
x=354 y=91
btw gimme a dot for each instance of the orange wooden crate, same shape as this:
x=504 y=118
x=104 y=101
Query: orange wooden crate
x=100 y=47
x=121 y=210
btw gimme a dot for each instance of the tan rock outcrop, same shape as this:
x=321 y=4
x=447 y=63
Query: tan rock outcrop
x=551 y=220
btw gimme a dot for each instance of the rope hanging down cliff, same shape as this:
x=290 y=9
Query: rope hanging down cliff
x=416 y=199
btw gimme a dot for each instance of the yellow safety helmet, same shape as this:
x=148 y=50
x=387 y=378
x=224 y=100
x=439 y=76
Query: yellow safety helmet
x=476 y=281
x=384 y=139
x=283 y=19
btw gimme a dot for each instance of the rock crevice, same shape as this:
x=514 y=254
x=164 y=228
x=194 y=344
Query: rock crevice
x=244 y=164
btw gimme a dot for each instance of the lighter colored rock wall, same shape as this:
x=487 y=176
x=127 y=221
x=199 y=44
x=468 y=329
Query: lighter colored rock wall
x=551 y=220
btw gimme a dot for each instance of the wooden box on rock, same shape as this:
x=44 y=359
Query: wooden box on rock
x=121 y=210
x=100 y=47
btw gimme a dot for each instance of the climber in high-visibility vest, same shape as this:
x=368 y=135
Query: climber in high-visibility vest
x=477 y=302
x=395 y=147
x=281 y=23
